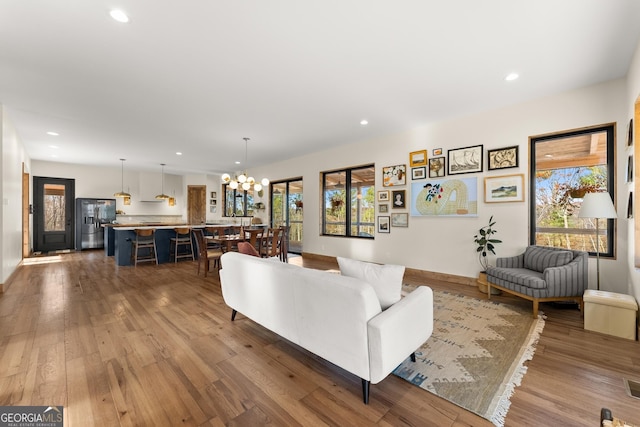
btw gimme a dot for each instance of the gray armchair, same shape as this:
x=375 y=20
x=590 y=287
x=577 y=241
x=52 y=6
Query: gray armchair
x=542 y=274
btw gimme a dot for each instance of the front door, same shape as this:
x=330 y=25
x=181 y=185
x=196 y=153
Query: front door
x=53 y=213
x=197 y=204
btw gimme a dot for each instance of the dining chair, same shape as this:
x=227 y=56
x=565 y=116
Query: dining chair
x=271 y=243
x=205 y=255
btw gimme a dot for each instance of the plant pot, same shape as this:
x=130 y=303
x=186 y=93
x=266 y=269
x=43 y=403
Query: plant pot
x=482 y=284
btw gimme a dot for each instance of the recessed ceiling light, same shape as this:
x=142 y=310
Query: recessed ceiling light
x=53 y=133
x=237 y=162
x=364 y=122
x=178 y=153
x=511 y=77
x=54 y=146
x=119 y=16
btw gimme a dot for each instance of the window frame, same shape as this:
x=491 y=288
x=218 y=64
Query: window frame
x=610 y=130
x=246 y=209
x=348 y=203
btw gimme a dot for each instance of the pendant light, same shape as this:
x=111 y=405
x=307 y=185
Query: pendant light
x=162 y=196
x=122 y=193
x=244 y=180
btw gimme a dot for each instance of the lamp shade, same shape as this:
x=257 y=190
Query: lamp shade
x=597 y=205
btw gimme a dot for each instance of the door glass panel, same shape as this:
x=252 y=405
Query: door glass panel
x=295 y=216
x=54 y=207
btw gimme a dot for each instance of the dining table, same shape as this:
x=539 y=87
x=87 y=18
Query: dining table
x=228 y=242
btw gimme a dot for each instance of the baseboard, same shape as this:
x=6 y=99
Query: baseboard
x=409 y=273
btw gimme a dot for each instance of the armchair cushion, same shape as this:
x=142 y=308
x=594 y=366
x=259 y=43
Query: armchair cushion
x=538 y=258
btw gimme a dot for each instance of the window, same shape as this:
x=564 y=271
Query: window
x=564 y=167
x=237 y=202
x=348 y=202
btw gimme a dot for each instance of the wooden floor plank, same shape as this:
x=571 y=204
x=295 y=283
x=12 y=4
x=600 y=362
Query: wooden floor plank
x=154 y=345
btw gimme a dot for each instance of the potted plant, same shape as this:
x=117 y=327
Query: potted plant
x=485 y=244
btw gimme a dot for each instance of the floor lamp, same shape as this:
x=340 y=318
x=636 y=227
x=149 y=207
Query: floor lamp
x=597 y=205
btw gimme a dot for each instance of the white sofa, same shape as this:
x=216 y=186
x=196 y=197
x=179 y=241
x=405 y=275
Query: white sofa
x=337 y=317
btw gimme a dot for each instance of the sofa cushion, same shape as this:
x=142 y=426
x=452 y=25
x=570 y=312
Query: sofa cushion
x=386 y=280
x=538 y=259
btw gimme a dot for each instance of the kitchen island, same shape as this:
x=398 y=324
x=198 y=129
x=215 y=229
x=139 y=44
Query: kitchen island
x=122 y=235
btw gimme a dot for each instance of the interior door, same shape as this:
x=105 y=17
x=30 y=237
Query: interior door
x=53 y=213
x=197 y=204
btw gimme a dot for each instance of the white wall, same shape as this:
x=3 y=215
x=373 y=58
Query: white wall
x=633 y=94
x=12 y=157
x=446 y=244
x=102 y=182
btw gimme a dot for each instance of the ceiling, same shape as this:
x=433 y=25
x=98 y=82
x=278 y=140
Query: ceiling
x=295 y=77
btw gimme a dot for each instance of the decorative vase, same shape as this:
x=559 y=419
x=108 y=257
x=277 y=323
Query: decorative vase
x=482 y=284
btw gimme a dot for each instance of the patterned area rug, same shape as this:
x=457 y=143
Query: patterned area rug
x=475 y=356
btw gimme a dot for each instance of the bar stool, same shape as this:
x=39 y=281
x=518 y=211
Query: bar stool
x=182 y=239
x=144 y=246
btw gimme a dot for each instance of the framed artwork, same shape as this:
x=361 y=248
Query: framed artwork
x=400 y=219
x=630 y=169
x=419 y=173
x=383 y=224
x=398 y=199
x=213 y=202
x=383 y=196
x=436 y=167
x=503 y=158
x=394 y=175
x=505 y=188
x=630 y=206
x=453 y=197
x=630 y=133
x=418 y=158
x=214 y=195
x=437 y=151
x=212 y=209
x=383 y=208
x=464 y=160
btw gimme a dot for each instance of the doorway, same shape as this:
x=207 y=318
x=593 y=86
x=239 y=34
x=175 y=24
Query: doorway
x=53 y=214
x=196 y=204
x=287 y=209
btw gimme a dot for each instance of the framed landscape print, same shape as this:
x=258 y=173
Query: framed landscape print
x=464 y=160
x=383 y=224
x=394 y=175
x=400 y=219
x=398 y=198
x=505 y=188
x=418 y=158
x=419 y=173
x=383 y=196
x=436 y=167
x=437 y=151
x=503 y=158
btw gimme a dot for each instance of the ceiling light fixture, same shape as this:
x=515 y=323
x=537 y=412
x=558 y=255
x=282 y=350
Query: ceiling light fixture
x=244 y=180
x=364 y=122
x=119 y=16
x=511 y=77
x=162 y=196
x=53 y=133
x=122 y=193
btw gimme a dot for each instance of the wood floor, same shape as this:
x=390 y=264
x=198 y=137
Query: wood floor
x=154 y=346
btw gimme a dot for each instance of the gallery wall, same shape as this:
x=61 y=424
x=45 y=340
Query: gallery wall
x=445 y=244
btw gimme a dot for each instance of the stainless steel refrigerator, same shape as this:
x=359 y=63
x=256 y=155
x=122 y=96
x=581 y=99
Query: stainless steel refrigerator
x=90 y=215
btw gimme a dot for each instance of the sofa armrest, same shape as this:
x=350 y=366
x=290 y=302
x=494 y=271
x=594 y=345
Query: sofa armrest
x=399 y=331
x=510 y=262
x=567 y=280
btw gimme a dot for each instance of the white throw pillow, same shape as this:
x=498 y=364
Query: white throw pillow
x=385 y=279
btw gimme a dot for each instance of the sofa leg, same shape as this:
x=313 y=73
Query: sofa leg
x=413 y=357
x=535 y=308
x=233 y=315
x=365 y=391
